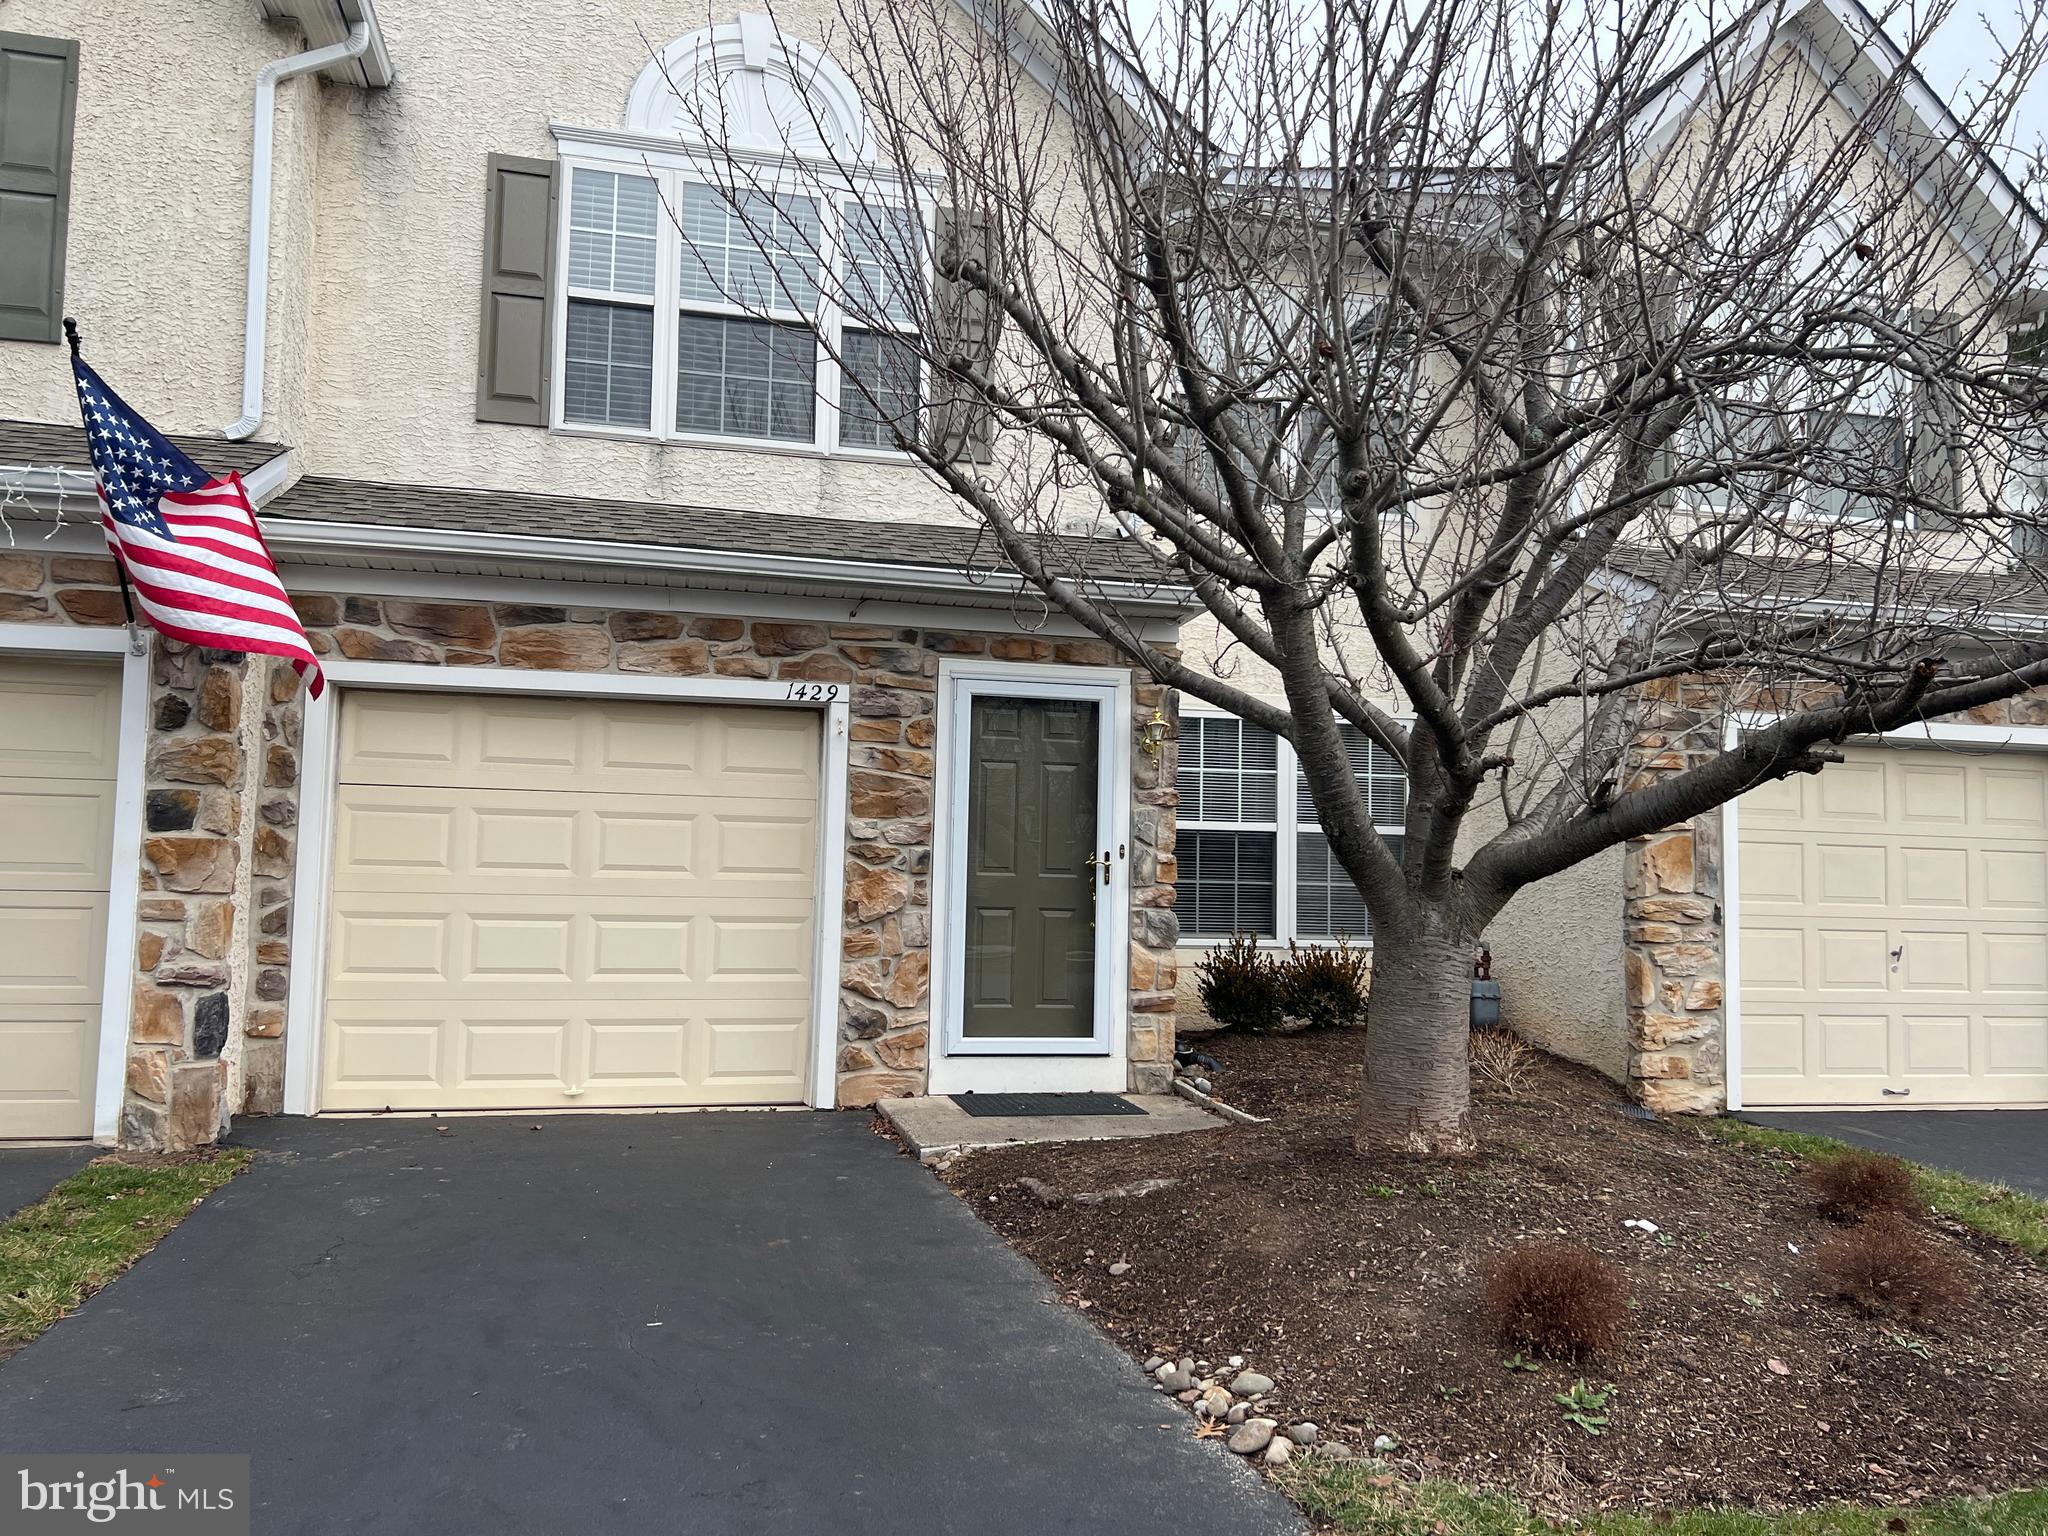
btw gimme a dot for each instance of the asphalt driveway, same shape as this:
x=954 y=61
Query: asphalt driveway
x=2006 y=1146
x=29 y=1173
x=702 y=1323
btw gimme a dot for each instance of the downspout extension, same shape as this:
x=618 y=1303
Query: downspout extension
x=256 y=315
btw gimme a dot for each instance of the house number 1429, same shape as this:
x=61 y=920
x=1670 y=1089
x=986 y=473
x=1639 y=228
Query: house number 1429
x=814 y=693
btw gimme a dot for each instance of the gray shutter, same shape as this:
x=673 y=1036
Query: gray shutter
x=965 y=324
x=38 y=97
x=516 y=342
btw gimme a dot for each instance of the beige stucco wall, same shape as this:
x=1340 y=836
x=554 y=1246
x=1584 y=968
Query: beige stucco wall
x=158 y=241
x=401 y=240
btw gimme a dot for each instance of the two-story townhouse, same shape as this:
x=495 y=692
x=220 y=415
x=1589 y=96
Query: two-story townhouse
x=1874 y=936
x=683 y=746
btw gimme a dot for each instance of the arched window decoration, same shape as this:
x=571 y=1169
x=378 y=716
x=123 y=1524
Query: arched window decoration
x=737 y=267
x=752 y=88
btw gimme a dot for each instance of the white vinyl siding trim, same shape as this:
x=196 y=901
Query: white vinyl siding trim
x=1240 y=787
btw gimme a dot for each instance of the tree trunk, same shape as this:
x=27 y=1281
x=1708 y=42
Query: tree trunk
x=1418 y=1086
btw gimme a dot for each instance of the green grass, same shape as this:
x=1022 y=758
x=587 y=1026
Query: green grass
x=1992 y=1209
x=90 y=1228
x=1359 y=1498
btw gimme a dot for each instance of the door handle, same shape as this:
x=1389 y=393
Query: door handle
x=1094 y=861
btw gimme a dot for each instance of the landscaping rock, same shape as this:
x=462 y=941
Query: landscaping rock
x=1277 y=1453
x=1153 y=1362
x=1251 y=1384
x=1303 y=1433
x=1119 y=1269
x=1215 y=1404
x=1336 y=1450
x=1252 y=1436
x=1238 y=1413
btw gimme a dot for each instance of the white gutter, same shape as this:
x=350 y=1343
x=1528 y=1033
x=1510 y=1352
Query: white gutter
x=256 y=315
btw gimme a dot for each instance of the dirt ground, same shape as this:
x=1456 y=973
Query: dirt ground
x=1353 y=1285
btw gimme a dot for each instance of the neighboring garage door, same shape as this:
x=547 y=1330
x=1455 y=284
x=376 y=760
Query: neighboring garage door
x=562 y=903
x=1894 y=931
x=59 y=734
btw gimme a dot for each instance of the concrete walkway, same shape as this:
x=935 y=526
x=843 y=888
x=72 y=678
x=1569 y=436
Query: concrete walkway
x=688 y=1323
x=2006 y=1146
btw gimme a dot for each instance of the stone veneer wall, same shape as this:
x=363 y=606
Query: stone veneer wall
x=189 y=972
x=213 y=952
x=1675 y=931
x=220 y=844
x=885 y=972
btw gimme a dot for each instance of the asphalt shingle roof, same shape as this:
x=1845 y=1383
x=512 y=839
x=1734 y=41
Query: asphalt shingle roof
x=934 y=545
x=44 y=445
x=325 y=499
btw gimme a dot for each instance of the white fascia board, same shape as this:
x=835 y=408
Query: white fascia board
x=310 y=540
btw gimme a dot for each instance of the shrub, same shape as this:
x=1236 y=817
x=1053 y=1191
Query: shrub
x=1557 y=1298
x=1501 y=1063
x=1855 y=1185
x=1886 y=1269
x=1239 y=985
x=1324 y=985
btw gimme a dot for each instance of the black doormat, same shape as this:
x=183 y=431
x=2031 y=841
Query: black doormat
x=1010 y=1106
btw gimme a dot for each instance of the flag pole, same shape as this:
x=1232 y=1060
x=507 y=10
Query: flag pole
x=135 y=639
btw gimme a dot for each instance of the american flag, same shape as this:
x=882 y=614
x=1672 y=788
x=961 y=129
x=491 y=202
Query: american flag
x=188 y=541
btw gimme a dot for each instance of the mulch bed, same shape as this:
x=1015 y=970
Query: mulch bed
x=1352 y=1284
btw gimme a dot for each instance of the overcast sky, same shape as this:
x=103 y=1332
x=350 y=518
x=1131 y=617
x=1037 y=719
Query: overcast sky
x=1959 y=53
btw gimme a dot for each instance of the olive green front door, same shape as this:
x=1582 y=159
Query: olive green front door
x=1035 y=869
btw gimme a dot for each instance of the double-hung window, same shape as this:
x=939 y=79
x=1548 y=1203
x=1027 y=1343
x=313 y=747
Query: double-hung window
x=1253 y=856
x=779 y=316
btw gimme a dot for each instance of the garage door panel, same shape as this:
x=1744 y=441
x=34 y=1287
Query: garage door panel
x=591 y=914
x=2015 y=962
x=1934 y=877
x=531 y=745
x=60 y=726
x=1774 y=1045
x=1937 y=1045
x=1852 y=959
x=1953 y=882
x=2016 y=1045
x=2015 y=799
x=2015 y=879
x=446 y=839
x=60 y=721
x=49 y=1052
x=1933 y=960
x=54 y=834
x=52 y=948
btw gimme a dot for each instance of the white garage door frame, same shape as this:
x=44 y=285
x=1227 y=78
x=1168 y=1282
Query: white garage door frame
x=117 y=985
x=319 y=790
x=2018 y=738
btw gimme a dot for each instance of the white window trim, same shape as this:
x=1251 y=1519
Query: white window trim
x=1286 y=829
x=319 y=787
x=117 y=961
x=670 y=170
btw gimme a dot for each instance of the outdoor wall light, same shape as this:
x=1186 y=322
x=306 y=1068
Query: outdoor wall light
x=1153 y=738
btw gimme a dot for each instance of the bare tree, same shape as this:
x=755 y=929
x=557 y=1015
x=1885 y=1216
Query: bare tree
x=1492 y=374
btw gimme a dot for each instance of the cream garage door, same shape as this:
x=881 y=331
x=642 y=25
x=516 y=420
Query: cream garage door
x=561 y=903
x=59 y=734
x=1894 y=931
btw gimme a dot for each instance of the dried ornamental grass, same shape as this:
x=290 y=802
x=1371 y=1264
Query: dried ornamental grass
x=1557 y=1298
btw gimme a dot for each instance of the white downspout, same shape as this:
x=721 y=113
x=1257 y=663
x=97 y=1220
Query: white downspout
x=257 y=314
